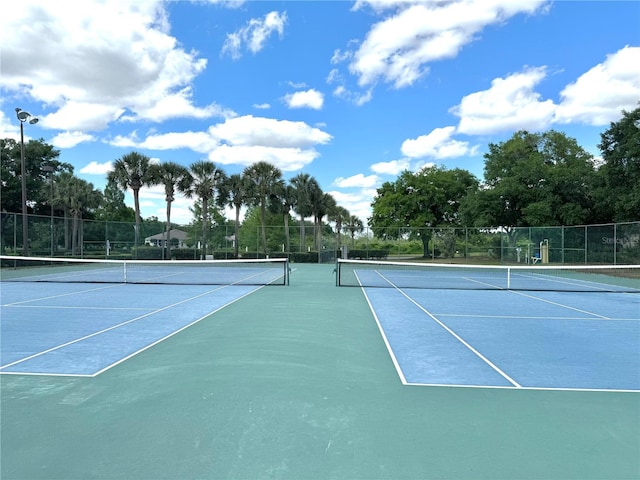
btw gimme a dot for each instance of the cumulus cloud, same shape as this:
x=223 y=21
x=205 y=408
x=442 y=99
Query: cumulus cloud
x=306 y=99
x=197 y=141
x=286 y=159
x=359 y=180
x=598 y=96
x=95 y=168
x=510 y=104
x=254 y=34
x=437 y=144
x=252 y=131
x=357 y=203
x=71 y=139
x=398 y=49
x=394 y=167
x=242 y=141
x=90 y=74
x=245 y=140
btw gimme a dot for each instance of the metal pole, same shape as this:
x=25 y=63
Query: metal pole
x=50 y=169
x=25 y=219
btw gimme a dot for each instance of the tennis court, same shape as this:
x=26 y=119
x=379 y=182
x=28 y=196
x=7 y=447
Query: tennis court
x=310 y=380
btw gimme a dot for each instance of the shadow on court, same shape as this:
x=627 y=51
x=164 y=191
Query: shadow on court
x=297 y=383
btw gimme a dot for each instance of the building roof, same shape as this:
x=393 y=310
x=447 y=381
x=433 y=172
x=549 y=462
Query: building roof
x=174 y=233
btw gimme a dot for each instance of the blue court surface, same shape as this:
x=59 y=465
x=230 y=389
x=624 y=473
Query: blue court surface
x=85 y=329
x=511 y=339
x=475 y=338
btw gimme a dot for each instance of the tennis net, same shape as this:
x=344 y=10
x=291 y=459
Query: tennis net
x=273 y=271
x=581 y=278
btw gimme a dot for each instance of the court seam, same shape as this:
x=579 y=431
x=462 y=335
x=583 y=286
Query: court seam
x=454 y=334
x=113 y=327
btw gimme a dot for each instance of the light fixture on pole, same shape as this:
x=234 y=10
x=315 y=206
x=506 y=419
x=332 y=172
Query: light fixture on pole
x=24 y=117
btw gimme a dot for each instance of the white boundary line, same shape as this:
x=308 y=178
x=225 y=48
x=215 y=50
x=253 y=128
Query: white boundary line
x=384 y=336
x=79 y=292
x=176 y=331
x=455 y=335
x=550 y=389
x=561 y=305
x=113 y=327
x=515 y=385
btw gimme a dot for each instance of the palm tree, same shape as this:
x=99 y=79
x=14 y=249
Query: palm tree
x=283 y=200
x=76 y=196
x=353 y=225
x=262 y=178
x=322 y=203
x=302 y=184
x=207 y=179
x=339 y=215
x=132 y=171
x=62 y=192
x=315 y=195
x=233 y=192
x=172 y=176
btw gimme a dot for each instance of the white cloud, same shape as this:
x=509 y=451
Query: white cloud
x=179 y=104
x=254 y=35
x=285 y=158
x=393 y=167
x=510 y=104
x=437 y=144
x=596 y=98
x=242 y=141
x=308 y=99
x=599 y=95
x=95 y=168
x=398 y=49
x=89 y=73
x=197 y=141
x=356 y=98
x=358 y=203
x=82 y=116
x=358 y=180
x=251 y=131
x=71 y=139
x=261 y=106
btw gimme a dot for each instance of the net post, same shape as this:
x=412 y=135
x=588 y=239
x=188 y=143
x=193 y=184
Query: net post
x=286 y=271
x=124 y=271
x=508 y=278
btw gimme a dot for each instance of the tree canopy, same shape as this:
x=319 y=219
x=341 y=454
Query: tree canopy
x=534 y=179
x=428 y=198
x=618 y=189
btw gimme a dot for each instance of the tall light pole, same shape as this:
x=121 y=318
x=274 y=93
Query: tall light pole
x=51 y=170
x=24 y=117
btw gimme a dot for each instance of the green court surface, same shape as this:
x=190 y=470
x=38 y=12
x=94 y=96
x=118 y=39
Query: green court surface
x=297 y=383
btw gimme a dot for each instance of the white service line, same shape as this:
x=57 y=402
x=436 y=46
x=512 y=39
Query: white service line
x=113 y=327
x=454 y=334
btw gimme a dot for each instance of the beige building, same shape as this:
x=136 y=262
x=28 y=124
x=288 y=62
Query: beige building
x=160 y=239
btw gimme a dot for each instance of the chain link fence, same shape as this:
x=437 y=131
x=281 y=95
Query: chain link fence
x=617 y=243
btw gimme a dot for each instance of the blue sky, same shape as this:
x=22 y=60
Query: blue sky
x=351 y=93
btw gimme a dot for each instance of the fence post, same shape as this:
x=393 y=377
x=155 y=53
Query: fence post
x=615 y=242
